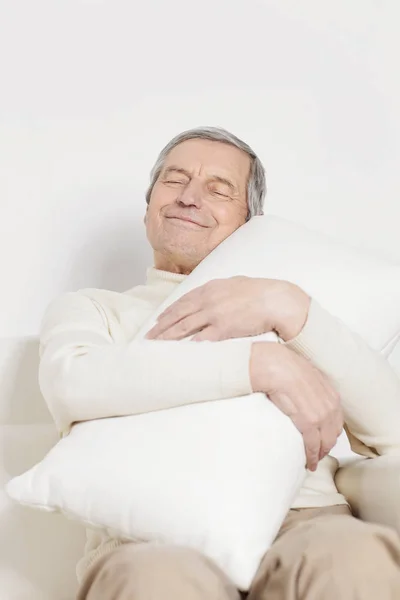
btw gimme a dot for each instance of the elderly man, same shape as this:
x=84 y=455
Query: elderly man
x=206 y=183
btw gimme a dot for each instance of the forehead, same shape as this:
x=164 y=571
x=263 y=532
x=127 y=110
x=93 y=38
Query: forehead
x=206 y=156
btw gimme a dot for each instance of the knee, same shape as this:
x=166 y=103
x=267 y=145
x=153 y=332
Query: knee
x=351 y=543
x=157 y=571
x=331 y=554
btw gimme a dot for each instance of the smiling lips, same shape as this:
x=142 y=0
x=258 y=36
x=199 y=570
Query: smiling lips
x=186 y=219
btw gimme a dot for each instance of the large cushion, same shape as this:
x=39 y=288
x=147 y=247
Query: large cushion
x=357 y=287
x=217 y=476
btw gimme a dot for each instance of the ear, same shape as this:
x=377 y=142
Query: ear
x=145 y=215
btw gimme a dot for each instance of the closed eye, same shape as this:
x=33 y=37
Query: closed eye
x=220 y=194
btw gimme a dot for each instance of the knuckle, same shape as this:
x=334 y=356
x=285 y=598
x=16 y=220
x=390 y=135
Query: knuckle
x=328 y=415
x=314 y=421
x=217 y=317
x=212 y=285
x=183 y=327
x=311 y=424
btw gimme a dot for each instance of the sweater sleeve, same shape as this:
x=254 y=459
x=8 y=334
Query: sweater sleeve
x=368 y=386
x=84 y=374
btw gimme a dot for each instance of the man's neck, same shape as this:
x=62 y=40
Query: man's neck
x=165 y=263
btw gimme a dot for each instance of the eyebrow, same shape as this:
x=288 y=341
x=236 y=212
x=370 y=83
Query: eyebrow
x=224 y=180
x=173 y=169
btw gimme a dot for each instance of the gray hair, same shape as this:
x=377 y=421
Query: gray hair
x=256 y=186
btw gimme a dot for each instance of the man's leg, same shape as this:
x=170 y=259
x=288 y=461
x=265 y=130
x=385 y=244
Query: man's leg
x=325 y=554
x=155 y=572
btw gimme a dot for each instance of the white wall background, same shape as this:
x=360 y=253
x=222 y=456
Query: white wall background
x=91 y=90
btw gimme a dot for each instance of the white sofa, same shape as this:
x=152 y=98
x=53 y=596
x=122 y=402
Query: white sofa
x=38 y=551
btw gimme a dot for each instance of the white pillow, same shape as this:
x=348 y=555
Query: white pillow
x=217 y=476
x=357 y=287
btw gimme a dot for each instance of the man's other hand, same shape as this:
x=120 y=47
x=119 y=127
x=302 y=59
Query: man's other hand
x=233 y=308
x=300 y=391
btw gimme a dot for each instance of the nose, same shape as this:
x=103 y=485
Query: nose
x=191 y=195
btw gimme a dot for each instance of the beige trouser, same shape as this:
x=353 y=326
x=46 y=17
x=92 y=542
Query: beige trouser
x=319 y=554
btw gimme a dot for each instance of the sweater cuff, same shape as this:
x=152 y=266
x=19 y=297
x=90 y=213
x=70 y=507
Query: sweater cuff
x=235 y=369
x=325 y=341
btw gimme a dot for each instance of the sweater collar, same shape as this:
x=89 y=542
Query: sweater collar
x=157 y=276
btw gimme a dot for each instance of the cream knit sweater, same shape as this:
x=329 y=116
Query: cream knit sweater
x=91 y=367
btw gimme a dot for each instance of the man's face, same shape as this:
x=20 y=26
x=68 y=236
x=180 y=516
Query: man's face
x=199 y=199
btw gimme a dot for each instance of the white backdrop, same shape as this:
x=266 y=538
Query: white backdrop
x=91 y=90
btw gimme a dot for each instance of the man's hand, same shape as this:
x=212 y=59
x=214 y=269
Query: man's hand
x=234 y=308
x=300 y=391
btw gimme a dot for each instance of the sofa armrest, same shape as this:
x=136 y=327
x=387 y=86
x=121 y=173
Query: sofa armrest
x=372 y=488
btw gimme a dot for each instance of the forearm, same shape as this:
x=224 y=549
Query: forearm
x=89 y=371
x=369 y=388
x=90 y=380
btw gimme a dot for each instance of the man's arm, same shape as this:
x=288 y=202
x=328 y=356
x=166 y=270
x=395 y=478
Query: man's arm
x=368 y=386
x=84 y=374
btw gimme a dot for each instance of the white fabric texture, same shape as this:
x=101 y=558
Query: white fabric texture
x=217 y=476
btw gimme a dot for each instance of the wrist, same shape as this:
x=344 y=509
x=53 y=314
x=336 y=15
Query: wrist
x=293 y=313
x=265 y=357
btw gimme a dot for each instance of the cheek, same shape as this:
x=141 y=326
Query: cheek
x=162 y=196
x=152 y=220
x=230 y=216
x=157 y=201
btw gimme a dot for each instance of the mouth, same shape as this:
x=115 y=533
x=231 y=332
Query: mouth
x=186 y=221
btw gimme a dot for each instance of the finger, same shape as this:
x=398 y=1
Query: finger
x=324 y=416
x=180 y=311
x=330 y=390
x=208 y=334
x=191 y=298
x=293 y=406
x=186 y=327
x=336 y=418
x=312 y=443
x=334 y=427
x=330 y=432
x=309 y=401
x=328 y=438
